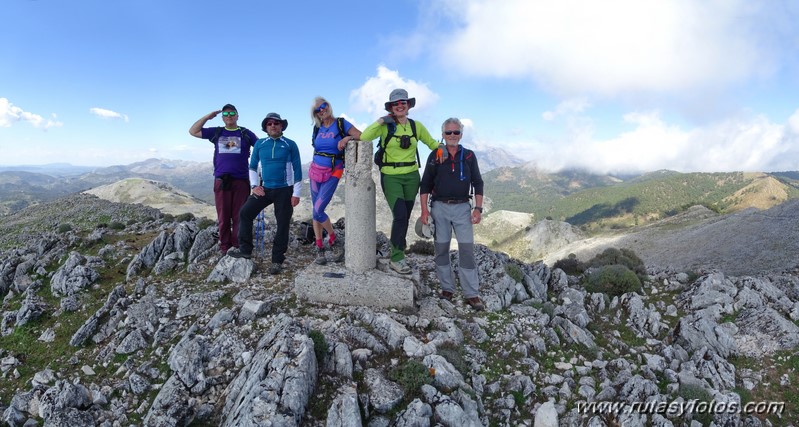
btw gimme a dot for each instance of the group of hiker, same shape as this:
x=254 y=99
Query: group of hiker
x=450 y=184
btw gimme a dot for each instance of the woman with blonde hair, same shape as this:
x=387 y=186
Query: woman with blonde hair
x=330 y=136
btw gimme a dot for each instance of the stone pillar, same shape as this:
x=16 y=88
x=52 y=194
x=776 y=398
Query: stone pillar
x=360 y=246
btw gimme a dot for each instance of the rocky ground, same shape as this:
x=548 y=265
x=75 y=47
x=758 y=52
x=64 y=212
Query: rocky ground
x=148 y=325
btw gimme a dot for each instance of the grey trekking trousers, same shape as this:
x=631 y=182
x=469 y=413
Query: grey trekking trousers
x=457 y=217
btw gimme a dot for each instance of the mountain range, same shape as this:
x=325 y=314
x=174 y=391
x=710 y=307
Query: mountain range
x=530 y=214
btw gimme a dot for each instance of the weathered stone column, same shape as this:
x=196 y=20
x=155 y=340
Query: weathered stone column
x=360 y=245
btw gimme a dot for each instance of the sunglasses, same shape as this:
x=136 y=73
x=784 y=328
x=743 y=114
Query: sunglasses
x=274 y=124
x=452 y=132
x=398 y=103
x=321 y=107
x=228 y=113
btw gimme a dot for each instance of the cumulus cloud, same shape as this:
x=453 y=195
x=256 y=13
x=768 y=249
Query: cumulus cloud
x=569 y=106
x=734 y=144
x=617 y=47
x=108 y=114
x=373 y=94
x=10 y=114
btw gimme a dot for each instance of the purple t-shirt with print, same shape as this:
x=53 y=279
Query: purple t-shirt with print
x=231 y=151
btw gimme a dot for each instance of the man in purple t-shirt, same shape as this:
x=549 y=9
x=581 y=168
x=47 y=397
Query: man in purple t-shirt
x=232 y=146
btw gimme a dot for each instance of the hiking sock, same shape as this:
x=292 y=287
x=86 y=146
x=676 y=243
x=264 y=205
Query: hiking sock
x=319 y=244
x=332 y=239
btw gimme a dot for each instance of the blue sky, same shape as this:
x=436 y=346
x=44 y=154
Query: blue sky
x=611 y=86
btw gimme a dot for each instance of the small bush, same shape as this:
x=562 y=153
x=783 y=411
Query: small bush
x=571 y=265
x=614 y=280
x=116 y=225
x=455 y=356
x=319 y=345
x=188 y=216
x=169 y=217
x=423 y=247
x=625 y=257
x=411 y=375
x=514 y=272
x=548 y=309
x=697 y=392
x=63 y=228
x=205 y=223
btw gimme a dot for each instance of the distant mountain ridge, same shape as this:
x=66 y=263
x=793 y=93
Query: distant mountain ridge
x=597 y=201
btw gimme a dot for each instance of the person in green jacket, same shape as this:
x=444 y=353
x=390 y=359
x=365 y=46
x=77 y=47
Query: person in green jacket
x=399 y=173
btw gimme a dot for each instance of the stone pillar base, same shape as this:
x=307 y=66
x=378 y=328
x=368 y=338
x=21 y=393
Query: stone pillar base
x=335 y=284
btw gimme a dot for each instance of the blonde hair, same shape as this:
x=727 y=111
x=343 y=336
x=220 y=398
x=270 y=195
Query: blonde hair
x=319 y=100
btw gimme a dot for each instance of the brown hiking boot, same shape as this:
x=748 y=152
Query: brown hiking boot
x=447 y=295
x=475 y=303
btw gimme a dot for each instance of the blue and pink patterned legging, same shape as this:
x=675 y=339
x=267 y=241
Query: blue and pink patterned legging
x=321 y=194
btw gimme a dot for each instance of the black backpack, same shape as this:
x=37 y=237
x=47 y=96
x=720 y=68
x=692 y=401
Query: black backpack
x=245 y=135
x=341 y=134
x=380 y=155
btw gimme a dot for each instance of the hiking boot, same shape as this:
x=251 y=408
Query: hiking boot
x=321 y=258
x=275 y=268
x=475 y=303
x=447 y=295
x=237 y=253
x=400 y=266
x=338 y=250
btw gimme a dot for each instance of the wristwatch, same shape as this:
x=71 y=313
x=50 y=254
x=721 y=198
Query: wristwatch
x=478 y=209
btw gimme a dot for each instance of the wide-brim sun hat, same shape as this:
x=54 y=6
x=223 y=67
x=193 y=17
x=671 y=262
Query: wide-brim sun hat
x=274 y=116
x=399 y=95
x=425 y=231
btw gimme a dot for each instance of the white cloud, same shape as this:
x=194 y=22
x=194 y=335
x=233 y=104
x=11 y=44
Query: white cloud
x=734 y=144
x=10 y=114
x=108 y=114
x=613 y=47
x=373 y=94
x=569 y=106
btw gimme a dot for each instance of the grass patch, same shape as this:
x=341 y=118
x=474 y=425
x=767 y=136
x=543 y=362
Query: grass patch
x=319 y=345
x=455 y=355
x=514 y=272
x=411 y=375
x=772 y=368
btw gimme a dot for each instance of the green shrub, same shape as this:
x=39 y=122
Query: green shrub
x=613 y=280
x=63 y=228
x=116 y=225
x=188 y=216
x=571 y=265
x=319 y=345
x=205 y=223
x=625 y=257
x=697 y=392
x=454 y=355
x=514 y=272
x=169 y=217
x=423 y=247
x=411 y=375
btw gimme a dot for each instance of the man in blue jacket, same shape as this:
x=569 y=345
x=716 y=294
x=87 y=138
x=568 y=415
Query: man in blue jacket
x=281 y=174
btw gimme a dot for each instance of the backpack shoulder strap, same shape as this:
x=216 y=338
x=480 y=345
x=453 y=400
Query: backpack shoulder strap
x=340 y=122
x=413 y=129
x=245 y=134
x=217 y=132
x=313 y=137
x=392 y=129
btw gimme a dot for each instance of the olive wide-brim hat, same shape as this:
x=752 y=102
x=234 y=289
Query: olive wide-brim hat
x=425 y=231
x=399 y=95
